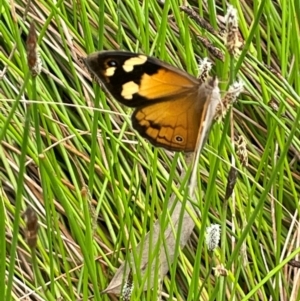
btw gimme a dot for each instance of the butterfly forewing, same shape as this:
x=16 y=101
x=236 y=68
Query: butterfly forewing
x=136 y=79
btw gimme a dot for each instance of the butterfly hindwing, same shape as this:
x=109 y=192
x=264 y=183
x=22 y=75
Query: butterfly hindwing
x=170 y=126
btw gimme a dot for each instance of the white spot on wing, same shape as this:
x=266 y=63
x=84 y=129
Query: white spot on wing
x=129 y=89
x=133 y=61
x=110 y=71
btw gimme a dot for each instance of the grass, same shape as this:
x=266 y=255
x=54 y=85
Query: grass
x=68 y=151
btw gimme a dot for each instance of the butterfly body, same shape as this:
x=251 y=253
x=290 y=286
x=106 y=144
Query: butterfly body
x=171 y=106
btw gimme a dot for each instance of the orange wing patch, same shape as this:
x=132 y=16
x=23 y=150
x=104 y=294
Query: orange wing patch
x=165 y=83
x=173 y=124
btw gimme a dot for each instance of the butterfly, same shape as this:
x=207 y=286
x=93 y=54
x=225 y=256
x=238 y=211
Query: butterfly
x=173 y=109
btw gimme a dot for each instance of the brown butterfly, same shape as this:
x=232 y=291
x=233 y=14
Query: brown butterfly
x=173 y=109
